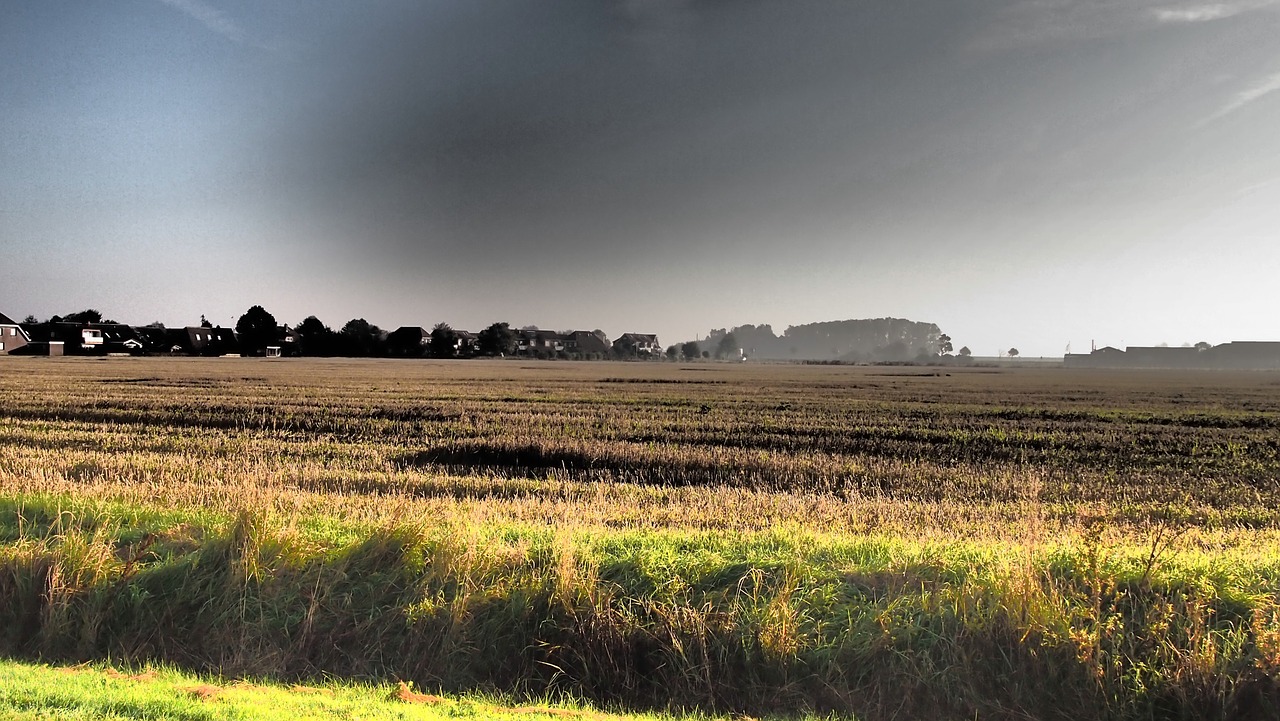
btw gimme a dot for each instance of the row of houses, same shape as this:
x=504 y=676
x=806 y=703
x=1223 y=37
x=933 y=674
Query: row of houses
x=1237 y=355
x=416 y=341
x=113 y=338
x=63 y=338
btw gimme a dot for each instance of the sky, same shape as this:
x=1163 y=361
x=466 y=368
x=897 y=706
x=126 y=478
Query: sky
x=1024 y=173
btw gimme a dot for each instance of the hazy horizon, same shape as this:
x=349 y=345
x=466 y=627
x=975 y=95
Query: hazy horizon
x=1022 y=173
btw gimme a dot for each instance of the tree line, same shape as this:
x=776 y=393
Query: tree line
x=257 y=329
x=849 y=341
x=869 y=340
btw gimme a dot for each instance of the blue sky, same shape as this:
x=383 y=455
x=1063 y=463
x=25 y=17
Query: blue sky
x=1023 y=173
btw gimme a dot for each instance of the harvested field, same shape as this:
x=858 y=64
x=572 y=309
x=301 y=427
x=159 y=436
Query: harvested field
x=759 y=539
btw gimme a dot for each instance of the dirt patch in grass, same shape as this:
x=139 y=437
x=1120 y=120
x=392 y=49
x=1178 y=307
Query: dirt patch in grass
x=144 y=676
x=408 y=695
x=204 y=692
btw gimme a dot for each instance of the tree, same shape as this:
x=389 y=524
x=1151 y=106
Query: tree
x=406 y=342
x=496 y=340
x=204 y=322
x=728 y=346
x=89 y=315
x=897 y=350
x=444 y=342
x=964 y=352
x=944 y=344
x=30 y=320
x=673 y=352
x=1013 y=353
x=256 y=329
x=690 y=350
x=1203 y=346
x=316 y=338
x=361 y=337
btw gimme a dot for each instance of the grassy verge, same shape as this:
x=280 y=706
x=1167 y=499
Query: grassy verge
x=30 y=692
x=770 y=622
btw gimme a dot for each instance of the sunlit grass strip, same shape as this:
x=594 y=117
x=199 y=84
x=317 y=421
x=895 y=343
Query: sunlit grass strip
x=102 y=693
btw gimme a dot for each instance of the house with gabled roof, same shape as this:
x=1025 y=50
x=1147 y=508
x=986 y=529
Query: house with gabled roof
x=87 y=338
x=156 y=338
x=75 y=338
x=117 y=338
x=201 y=340
x=585 y=343
x=12 y=335
x=633 y=345
x=465 y=343
x=542 y=343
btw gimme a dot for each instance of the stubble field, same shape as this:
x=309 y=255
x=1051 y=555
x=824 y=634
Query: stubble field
x=874 y=541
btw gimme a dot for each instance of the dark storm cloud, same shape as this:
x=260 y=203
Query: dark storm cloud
x=558 y=130
x=754 y=145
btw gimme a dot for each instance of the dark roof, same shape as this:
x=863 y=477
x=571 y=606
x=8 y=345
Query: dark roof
x=117 y=332
x=587 y=341
x=6 y=320
x=1265 y=344
x=541 y=335
x=1161 y=349
x=152 y=335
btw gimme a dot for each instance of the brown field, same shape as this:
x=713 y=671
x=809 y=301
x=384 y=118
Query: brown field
x=905 y=450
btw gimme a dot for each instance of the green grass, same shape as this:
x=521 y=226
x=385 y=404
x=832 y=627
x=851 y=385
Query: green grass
x=30 y=692
x=777 y=621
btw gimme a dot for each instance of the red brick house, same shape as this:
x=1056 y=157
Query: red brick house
x=12 y=336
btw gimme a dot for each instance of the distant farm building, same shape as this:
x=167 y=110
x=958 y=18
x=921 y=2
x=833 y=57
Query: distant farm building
x=1237 y=355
